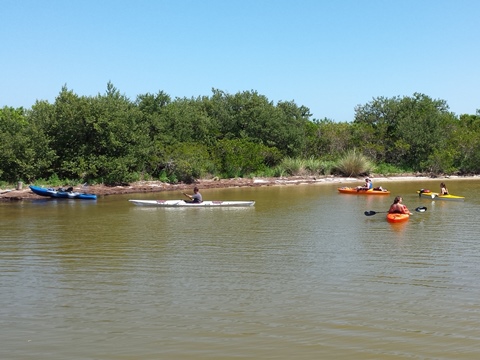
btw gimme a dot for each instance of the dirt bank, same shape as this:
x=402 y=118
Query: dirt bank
x=157 y=186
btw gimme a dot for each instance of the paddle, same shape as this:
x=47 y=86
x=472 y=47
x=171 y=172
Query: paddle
x=433 y=195
x=371 y=212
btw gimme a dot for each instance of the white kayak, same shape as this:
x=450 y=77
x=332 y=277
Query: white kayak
x=182 y=203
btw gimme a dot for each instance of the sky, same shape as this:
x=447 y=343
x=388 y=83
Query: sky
x=327 y=55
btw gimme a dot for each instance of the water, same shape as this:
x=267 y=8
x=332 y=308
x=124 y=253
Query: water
x=304 y=274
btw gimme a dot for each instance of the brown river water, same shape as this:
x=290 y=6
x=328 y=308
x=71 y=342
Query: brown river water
x=303 y=274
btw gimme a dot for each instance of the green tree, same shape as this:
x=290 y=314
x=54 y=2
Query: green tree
x=464 y=139
x=406 y=131
x=251 y=116
x=24 y=148
x=240 y=157
x=328 y=139
x=118 y=141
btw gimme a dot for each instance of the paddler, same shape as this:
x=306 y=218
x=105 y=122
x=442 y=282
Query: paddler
x=398 y=208
x=367 y=186
x=196 y=197
x=443 y=189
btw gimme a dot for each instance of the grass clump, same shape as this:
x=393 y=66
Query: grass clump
x=354 y=163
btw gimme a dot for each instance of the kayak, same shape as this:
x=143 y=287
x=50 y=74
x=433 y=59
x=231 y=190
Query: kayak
x=182 y=203
x=396 y=218
x=437 y=196
x=61 y=194
x=354 y=191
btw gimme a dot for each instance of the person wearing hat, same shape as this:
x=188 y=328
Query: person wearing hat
x=196 y=197
x=367 y=186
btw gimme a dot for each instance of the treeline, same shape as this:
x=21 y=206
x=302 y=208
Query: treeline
x=112 y=140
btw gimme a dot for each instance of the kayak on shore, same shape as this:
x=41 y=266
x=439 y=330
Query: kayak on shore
x=355 y=191
x=61 y=193
x=427 y=194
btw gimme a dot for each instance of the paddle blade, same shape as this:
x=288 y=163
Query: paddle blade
x=421 y=209
x=371 y=212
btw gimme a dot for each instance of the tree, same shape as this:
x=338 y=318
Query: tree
x=24 y=148
x=404 y=131
x=251 y=116
x=328 y=139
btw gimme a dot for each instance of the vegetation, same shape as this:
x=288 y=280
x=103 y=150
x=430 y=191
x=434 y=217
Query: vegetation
x=354 y=163
x=110 y=139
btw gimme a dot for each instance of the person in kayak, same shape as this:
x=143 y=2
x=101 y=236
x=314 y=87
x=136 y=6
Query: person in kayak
x=196 y=197
x=367 y=186
x=398 y=208
x=443 y=189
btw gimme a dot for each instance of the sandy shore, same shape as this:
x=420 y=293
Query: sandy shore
x=157 y=186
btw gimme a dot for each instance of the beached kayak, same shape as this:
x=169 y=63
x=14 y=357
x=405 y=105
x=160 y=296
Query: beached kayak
x=396 y=218
x=182 y=203
x=354 y=191
x=436 y=196
x=62 y=194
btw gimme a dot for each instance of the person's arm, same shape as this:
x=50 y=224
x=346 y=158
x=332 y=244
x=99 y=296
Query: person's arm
x=189 y=196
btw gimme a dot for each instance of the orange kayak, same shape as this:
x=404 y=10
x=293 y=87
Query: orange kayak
x=354 y=191
x=396 y=218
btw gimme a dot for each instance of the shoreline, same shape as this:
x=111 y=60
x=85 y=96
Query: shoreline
x=157 y=186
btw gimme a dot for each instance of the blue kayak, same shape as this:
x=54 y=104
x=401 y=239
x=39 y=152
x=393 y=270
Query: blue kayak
x=61 y=194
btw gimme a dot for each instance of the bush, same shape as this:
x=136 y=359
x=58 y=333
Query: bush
x=389 y=169
x=293 y=166
x=354 y=164
x=240 y=157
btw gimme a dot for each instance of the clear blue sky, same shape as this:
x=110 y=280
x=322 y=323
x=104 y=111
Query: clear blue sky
x=328 y=55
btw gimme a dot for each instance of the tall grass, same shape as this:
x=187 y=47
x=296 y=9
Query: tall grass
x=293 y=166
x=354 y=163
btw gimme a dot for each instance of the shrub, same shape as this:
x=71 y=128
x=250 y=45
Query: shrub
x=388 y=169
x=354 y=163
x=239 y=157
x=293 y=166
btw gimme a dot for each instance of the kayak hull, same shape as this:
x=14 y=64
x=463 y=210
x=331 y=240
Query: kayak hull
x=182 y=203
x=354 y=191
x=397 y=218
x=437 y=196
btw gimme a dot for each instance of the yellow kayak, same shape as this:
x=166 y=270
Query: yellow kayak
x=436 y=196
